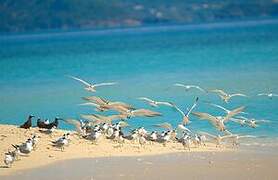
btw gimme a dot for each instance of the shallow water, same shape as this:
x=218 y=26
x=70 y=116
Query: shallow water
x=144 y=62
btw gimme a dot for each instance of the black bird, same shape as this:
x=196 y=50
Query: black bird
x=28 y=123
x=41 y=124
x=53 y=124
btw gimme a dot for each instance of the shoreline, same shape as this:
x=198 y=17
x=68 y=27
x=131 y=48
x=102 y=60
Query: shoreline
x=79 y=148
x=194 y=165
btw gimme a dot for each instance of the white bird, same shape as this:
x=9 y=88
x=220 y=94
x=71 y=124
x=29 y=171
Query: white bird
x=154 y=103
x=61 y=142
x=218 y=122
x=186 y=142
x=9 y=158
x=235 y=138
x=218 y=139
x=154 y=136
x=188 y=87
x=92 y=87
x=26 y=147
x=270 y=95
x=225 y=96
x=185 y=116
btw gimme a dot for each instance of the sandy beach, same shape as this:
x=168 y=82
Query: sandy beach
x=79 y=148
x=193 y=165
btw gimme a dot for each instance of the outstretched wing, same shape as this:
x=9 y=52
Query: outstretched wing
x=218 y=91
x=207 y=134
x=205 y=116
x=80 y=80
x=166 y=103
x=145 y=112
x=180 y=85
x=192 y=107
x=146 y=99
x=105 y=84
x=179 y=110
x=238 y=94
x=233 y=113
x=75 y=123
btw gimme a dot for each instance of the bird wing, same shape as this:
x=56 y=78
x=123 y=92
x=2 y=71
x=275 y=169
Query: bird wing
x=95 y=99
x=197 y=87
x=219 y=91
x=233 y=113
x=145 y=112
x=207 y=134
x=105 y=84
x=216 y=105
x=179 y=110
x=180 y=85
x=121 y=104
x=89 y=104
x=182 y=127
x=205 y=116
x=262 y=94
x=123 y=124
x=192 y=107
x=80 y=80
x=75 y=123
x=166 y=103
x=164 y=125
x=235 y=120
x=146 y=99
x=238 y=94
x=91 y=117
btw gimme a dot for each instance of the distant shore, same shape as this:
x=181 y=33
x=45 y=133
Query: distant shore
x=80 y=148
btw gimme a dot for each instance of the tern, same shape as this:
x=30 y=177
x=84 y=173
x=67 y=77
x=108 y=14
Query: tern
x=235 y=138
x=218 y=122
x=188 y=87
x=225 y=96
x=9 y=159
x=92 y=87
x=154 y=103
x=185 y=116
x=106 y=103
x=269 y=95
x=218 y=139
x=62 y=141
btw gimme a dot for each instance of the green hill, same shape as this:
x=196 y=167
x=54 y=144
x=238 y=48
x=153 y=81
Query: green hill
x=33 y=15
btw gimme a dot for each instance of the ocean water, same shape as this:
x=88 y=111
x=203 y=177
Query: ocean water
x=237 y=57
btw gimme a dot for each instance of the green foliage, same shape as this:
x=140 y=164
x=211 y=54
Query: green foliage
x=32 y=15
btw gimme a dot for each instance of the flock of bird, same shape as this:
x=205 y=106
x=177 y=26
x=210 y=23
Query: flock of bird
x=95 y=126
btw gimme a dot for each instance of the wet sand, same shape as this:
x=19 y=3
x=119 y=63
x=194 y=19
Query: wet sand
x=79 y=148
x=194 y=165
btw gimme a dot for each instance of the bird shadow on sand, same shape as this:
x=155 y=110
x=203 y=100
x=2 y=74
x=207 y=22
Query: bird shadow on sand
x=2 y=167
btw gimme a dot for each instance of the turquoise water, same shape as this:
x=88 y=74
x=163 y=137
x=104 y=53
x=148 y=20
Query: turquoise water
x=238 y=57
